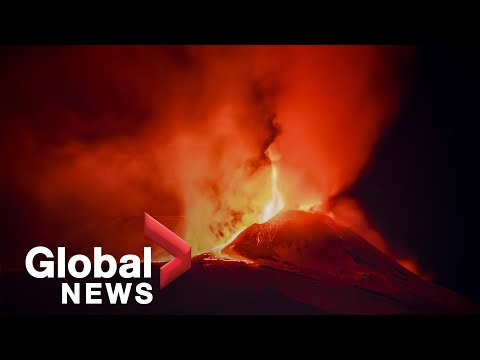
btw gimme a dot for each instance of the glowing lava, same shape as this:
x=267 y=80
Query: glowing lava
x=272 y=208
x=276 y=204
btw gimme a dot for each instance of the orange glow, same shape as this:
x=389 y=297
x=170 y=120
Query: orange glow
x=409 y=264
x=413 y=267
x=275 y=205
x=189 y=131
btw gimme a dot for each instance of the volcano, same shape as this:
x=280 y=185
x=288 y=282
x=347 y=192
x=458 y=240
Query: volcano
x=296 y=263
x=337 y=271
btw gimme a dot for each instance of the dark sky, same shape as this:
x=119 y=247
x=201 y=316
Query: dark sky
x=421 y=188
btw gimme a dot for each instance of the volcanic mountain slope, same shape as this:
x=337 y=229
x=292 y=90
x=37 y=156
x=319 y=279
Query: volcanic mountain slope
x=337 y=270
x=296 y=263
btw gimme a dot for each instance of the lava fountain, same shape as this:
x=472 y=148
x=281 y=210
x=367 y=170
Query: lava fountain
x=276 y=204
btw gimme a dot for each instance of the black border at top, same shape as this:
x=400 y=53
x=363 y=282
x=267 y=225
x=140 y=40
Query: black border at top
x=306 y=28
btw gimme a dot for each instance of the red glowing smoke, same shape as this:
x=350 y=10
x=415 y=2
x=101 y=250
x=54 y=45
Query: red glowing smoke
x=110 y=131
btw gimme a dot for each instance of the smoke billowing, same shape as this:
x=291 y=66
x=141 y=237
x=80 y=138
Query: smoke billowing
x=99 y=132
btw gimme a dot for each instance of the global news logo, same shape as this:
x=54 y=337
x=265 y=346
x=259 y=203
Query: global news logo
x=130 y=267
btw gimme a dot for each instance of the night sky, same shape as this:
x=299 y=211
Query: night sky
x=421 y=188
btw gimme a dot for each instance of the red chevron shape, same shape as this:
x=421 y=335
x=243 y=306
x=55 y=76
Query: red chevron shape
x=175 y=245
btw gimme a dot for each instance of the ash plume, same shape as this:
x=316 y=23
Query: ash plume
x=105 y=132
